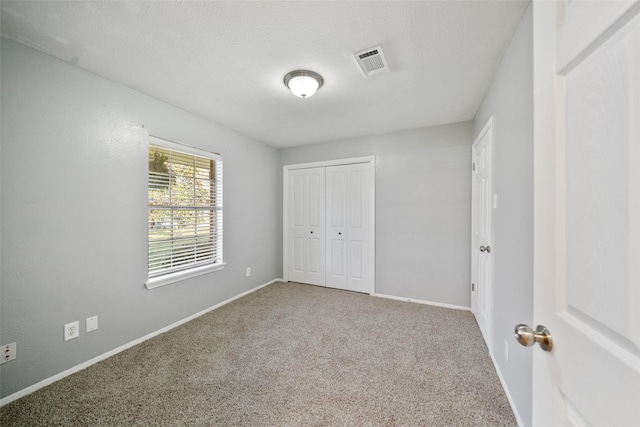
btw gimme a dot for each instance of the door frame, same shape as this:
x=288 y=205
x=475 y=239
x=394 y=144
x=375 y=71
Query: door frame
x=487 y=128
x=371 y=160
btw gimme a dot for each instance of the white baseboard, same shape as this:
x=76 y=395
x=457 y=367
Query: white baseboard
x=50 y=380
x=506 y=391
x=419 y=301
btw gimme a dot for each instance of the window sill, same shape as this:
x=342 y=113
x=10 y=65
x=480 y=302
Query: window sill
x=179 y=276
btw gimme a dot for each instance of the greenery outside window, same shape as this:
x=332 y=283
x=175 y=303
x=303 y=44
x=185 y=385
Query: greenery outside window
x=185 y=212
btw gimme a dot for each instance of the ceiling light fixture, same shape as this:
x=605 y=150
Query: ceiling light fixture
x=303 y=83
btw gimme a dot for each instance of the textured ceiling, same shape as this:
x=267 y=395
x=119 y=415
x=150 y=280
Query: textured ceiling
x=226 y=60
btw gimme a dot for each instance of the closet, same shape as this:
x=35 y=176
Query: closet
x=329 y=224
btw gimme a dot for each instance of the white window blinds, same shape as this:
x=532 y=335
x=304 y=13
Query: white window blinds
x=185 y=208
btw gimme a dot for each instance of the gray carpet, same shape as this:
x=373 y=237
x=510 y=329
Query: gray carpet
x=289 y=355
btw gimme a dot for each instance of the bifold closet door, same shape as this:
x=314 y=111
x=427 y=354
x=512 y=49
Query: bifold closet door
x=349 y=224
x=306 y=226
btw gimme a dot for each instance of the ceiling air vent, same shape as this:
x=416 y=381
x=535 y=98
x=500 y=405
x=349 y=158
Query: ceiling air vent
x=371 y=61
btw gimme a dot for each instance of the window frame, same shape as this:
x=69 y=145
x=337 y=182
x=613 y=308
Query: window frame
x=197 y=270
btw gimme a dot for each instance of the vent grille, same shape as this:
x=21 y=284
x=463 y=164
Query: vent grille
x=371 y=61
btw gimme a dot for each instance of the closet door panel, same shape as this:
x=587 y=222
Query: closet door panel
x=296 y=231
x=298 y=255
x=315 y=203
x=337 y=210
x=355 y=262
x=337 y=264
x=306 y=229
x=360 y=223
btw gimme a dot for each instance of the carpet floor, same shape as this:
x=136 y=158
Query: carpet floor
x=288 y=355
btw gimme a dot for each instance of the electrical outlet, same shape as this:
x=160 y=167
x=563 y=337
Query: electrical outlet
x=248 y=271
x=8 y=352
x=92 y=323
x=506 y=350
x=71 y=330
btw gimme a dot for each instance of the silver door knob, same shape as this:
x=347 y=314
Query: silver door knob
x=485 y=249
x=528 y=337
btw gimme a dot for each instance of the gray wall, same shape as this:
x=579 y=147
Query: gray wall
x=423 y=208
x=510 y=101
x=74 y=214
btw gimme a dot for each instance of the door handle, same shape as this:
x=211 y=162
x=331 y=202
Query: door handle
x=485 y=249
x=528 y=337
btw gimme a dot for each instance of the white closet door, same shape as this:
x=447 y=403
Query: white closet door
x=337 y=256
x=306 y=233
x=360 y=228
x=349 y=227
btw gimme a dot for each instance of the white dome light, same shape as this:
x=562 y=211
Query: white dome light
x=303 y=83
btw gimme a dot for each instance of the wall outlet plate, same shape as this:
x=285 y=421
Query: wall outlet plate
x=8 y=352
x=248 y=271
x=71 y=330
x=92 y=323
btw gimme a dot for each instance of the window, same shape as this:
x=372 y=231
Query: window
x=185 y=212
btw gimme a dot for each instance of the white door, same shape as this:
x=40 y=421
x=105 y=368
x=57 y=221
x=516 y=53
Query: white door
x=587 y=212
x=337 y=255
x=481 y=234
x=349 y=228
x=306 y=226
